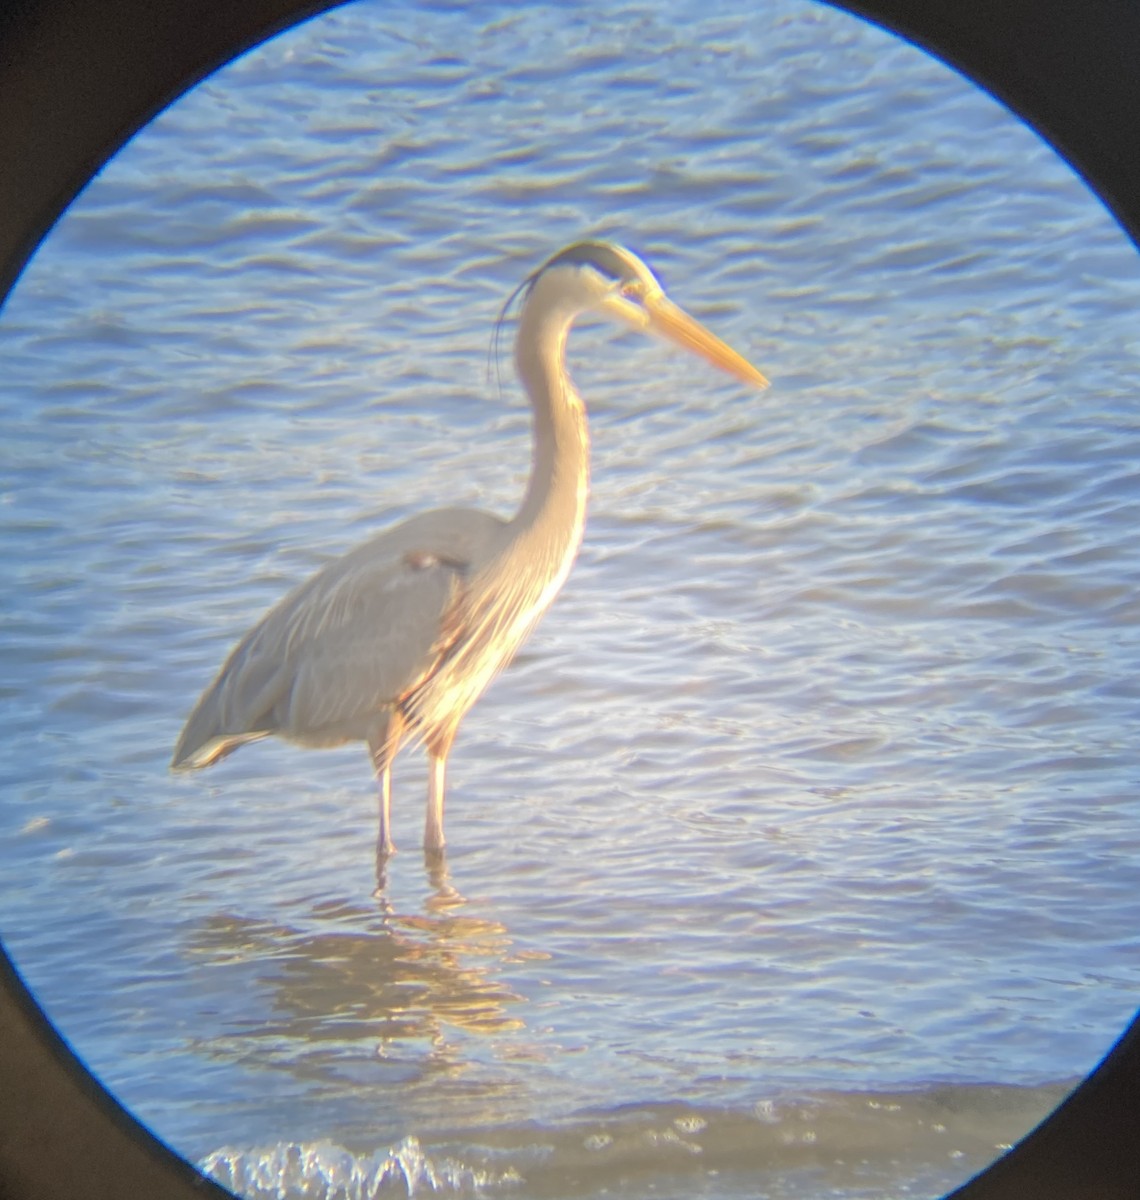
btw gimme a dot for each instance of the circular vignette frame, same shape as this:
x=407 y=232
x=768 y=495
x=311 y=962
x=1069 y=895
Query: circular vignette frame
x=78 y=78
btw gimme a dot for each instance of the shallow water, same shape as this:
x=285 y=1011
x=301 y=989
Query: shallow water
x=796 y=854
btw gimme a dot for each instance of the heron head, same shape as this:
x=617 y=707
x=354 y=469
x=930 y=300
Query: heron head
x=613 y=280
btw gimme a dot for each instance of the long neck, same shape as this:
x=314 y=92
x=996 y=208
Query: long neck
x=554 y=507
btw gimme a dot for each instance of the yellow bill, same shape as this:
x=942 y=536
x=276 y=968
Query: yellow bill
x=675 y=325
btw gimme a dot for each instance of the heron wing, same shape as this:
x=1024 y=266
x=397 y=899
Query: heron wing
x=322 y=665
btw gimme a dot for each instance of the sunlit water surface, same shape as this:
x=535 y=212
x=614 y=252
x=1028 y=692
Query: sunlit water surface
x=797 y=853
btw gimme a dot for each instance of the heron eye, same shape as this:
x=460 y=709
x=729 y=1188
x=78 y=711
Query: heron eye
x=631 y=289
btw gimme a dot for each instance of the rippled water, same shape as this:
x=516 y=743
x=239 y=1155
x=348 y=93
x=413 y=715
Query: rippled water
x=797 y=853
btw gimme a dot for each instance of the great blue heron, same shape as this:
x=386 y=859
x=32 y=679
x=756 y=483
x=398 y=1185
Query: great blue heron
x=403 y=634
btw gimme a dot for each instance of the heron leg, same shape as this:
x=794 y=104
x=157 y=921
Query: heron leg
x=383 y=746
x=384 y=843
x=433 y=825
x=437 y=748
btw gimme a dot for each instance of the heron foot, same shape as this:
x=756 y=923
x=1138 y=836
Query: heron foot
x=385 y=848
x=445 y=896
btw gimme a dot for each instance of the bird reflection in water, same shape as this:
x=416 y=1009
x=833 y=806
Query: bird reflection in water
x=398 y=638
x=350 y=984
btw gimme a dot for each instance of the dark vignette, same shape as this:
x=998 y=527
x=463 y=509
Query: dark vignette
x=79 y=77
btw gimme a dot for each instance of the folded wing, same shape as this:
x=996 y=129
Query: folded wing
x=322 y=666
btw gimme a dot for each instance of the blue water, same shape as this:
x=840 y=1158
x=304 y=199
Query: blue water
x=797 y=853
